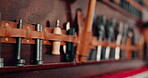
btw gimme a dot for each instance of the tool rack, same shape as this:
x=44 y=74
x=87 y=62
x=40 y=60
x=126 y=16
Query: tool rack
x=9 y=33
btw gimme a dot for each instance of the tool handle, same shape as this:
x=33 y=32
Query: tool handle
x=85 y=40
x=90 y=12
x=56 y=44
x=70 y=52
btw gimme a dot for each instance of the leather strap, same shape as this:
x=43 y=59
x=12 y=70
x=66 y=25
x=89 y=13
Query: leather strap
x=9 y=33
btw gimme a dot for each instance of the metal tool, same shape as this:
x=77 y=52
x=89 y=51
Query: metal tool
x=70 y=52
x=64 y=47
x=131 y=35
x=67 y=28
x=118 y=41
x=39 y=47
x=110 y=37
x=1 y=59
x=101 y=35
x=124 y=39
x=56 y=44
x=19 y=60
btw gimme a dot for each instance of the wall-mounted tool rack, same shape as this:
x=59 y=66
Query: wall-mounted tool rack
x=9 y=33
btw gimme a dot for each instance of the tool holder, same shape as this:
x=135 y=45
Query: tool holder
x=9 y=33
x=94 y=42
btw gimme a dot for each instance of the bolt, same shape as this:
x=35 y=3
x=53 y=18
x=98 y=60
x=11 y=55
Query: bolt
x=7 y=24
x=28 y=27
x=45 y=29
x=6 y=39
x=28 y=41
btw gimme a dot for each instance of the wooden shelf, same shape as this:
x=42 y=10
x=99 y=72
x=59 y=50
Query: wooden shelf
x=66 y=70
x=136 y=5
x=122 y=11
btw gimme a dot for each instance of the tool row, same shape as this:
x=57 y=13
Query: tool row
x=8 y=27
x=112 y=31
x=109 y=31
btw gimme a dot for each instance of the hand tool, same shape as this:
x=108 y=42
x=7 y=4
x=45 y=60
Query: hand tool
x=85 y=40
x=56 y=44
x=19 y=60
x=123 y=53
x=39 y=47
x=101 y=36
x=70 y=52
x=1 y=59
x=109 y=53
x=118 y=41
x=67 y=28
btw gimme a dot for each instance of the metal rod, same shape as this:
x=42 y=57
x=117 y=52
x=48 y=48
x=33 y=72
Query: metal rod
x=1 y=59
x=99 y=49
x=19 y=40
x=19 y=61
x=0 y=38
x=39 y=48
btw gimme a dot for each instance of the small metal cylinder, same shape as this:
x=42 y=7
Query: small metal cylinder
x=39 y=46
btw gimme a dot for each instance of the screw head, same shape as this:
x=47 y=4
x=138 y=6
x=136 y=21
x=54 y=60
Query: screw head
x=28 y=41
x=7 y=39
x=45 y=29
x=7 y=24
x=78 y=42
x=28 y=27
x=44 y=41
